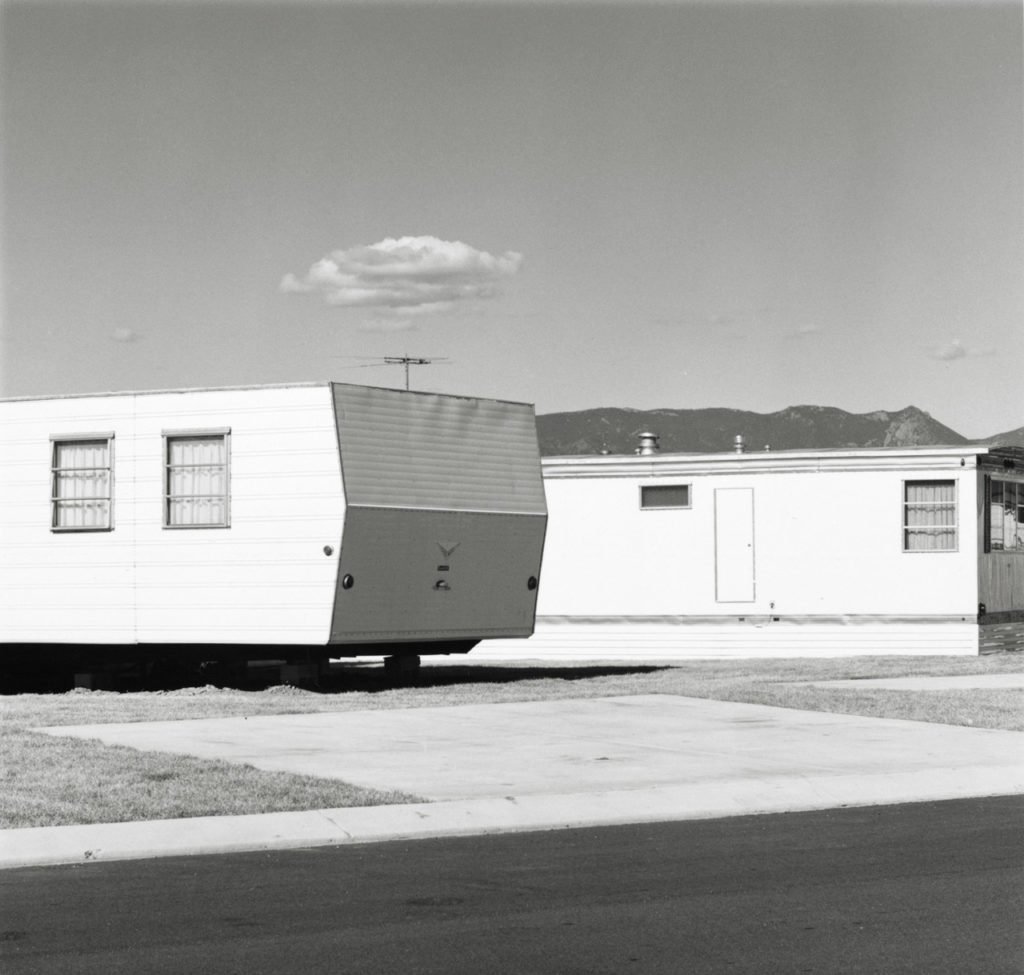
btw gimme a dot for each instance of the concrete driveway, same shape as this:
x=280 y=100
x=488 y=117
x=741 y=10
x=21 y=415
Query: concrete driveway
x=594 y=745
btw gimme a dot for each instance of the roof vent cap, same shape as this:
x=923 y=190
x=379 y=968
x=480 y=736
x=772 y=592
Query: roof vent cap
x=738 y=444
x=648 y=444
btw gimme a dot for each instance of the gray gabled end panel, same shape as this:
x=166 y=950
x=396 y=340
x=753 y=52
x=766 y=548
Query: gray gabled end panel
x=423 y=450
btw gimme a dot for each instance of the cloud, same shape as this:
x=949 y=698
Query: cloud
x=809 y=328
x=124 y=335
x=405 y=276
x=949 y=351
x=957 y=350
x=391 y=323
x=803 y=331
x=742 y=320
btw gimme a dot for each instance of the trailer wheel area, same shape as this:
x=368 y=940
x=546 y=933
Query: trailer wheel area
x=402 y=668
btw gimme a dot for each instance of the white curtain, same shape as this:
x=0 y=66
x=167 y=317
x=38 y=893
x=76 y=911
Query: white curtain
x=81 y=484
x=1018 y=521
x=1012 y=496
x=995 y=515
x=1006 y=516
x=930 y=516
x=197 y=481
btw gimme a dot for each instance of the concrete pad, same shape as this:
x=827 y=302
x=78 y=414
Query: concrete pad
x=577 y=746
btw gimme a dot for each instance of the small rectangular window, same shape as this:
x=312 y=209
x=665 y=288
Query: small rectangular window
x=665 y=496
x=196 y=481
x=82 y=484
x=929 y=516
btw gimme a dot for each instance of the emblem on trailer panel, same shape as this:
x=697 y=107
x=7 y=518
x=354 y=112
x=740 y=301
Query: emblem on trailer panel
x=442 y=585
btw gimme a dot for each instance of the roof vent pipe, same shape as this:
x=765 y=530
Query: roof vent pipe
x=737 y=444
x=648 y=444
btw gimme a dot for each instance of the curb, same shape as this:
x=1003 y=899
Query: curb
x=105 y=842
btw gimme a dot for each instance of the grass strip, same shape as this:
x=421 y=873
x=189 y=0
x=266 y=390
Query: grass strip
x=47 y=781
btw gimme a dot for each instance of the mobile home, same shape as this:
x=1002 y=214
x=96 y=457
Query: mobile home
x=788 y=553
x=343 y=519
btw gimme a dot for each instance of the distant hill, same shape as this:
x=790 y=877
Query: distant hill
x=1012 y=438
x=615 y=430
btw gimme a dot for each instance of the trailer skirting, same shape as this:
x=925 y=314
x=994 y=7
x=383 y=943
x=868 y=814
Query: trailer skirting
x=682 y=637
x=1005 y=637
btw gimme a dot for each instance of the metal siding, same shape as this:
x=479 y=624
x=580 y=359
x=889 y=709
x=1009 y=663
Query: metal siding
x=394 y=556
x=265 y=579
x=775 y=462
x=421 y=450
x=569 y=639
x=826 y=543
x=62 y=586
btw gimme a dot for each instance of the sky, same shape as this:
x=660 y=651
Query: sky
x=574 y=204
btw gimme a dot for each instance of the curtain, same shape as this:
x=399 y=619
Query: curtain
x=197 y=481
x=930 y=516
x=1006 y=516
x=995 y=515
x=1012 y=496
x=1018 y=527
x=81 y=484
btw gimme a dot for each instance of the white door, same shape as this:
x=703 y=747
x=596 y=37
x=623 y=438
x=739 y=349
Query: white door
x=734 y=545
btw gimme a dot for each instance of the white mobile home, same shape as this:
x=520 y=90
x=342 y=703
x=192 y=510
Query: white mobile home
x=790 y=553
x=321 y=515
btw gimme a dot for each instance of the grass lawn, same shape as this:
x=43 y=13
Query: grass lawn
x=48 y=781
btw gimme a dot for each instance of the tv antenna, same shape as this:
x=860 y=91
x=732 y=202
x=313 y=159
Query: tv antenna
x=407 y=360
x=394 y=360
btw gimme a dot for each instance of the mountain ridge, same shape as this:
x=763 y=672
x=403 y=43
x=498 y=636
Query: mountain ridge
x=614 y=430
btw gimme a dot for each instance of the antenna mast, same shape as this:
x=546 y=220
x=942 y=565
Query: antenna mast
x=406 y=360
x=388 y=360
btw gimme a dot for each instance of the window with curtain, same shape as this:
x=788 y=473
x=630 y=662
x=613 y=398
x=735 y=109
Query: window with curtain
x=81 y=495
x=196 y=481
x=929 y=516
x=1005 y=516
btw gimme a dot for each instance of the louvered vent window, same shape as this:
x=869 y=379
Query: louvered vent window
x=665 y=496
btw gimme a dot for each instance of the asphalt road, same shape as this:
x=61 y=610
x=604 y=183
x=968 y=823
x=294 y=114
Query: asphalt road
x=926 y=888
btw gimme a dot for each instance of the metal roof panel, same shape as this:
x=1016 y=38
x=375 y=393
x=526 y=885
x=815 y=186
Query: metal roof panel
x=426 y=450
